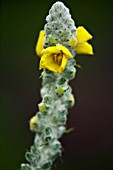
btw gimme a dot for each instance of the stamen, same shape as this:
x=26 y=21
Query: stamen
x=57 y=58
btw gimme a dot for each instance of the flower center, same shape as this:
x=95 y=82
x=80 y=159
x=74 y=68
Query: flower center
x=57 y=58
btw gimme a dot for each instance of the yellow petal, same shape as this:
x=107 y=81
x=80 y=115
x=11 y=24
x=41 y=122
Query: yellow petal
x=39 y=45
x=64 y=50
x=63 y=64
x=82 y=35
x=51 y=49
x=53 y=67
x=84 y=48
x=47 y=62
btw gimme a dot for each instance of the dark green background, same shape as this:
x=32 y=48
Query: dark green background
x=90 y=146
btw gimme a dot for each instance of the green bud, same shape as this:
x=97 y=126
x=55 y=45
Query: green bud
x=42 y=107
x=71 y=101
x=60 y=90
x=52 y=39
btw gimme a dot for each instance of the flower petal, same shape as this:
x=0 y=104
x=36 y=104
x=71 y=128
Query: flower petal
x=84 y=48
x=82 y=35
x=63 y=64
x=53 y=67
x=64 y=50
x=51 y=49
x=39 y=45
x=47 y=62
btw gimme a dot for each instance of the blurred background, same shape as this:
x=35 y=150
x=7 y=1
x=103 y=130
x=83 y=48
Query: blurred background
x=90 y=145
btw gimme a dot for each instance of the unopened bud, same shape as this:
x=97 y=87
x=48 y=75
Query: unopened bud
x=60 y=90
x=33 y=122
x=71 y=101
x=42 y=107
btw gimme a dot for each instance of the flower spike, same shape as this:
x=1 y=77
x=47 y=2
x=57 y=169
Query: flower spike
x=57 y=46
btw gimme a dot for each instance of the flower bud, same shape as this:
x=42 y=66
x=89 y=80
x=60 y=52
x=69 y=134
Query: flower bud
x=33 y=122
x=42 y=107
x=71 y=101
x=60 y=90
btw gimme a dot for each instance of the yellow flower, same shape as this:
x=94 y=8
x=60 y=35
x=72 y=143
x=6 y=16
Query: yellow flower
x=39 y=45
x=82 y=46
x=54 y=58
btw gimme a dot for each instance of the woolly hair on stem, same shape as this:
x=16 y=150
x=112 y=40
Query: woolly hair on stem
x=57 y=47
